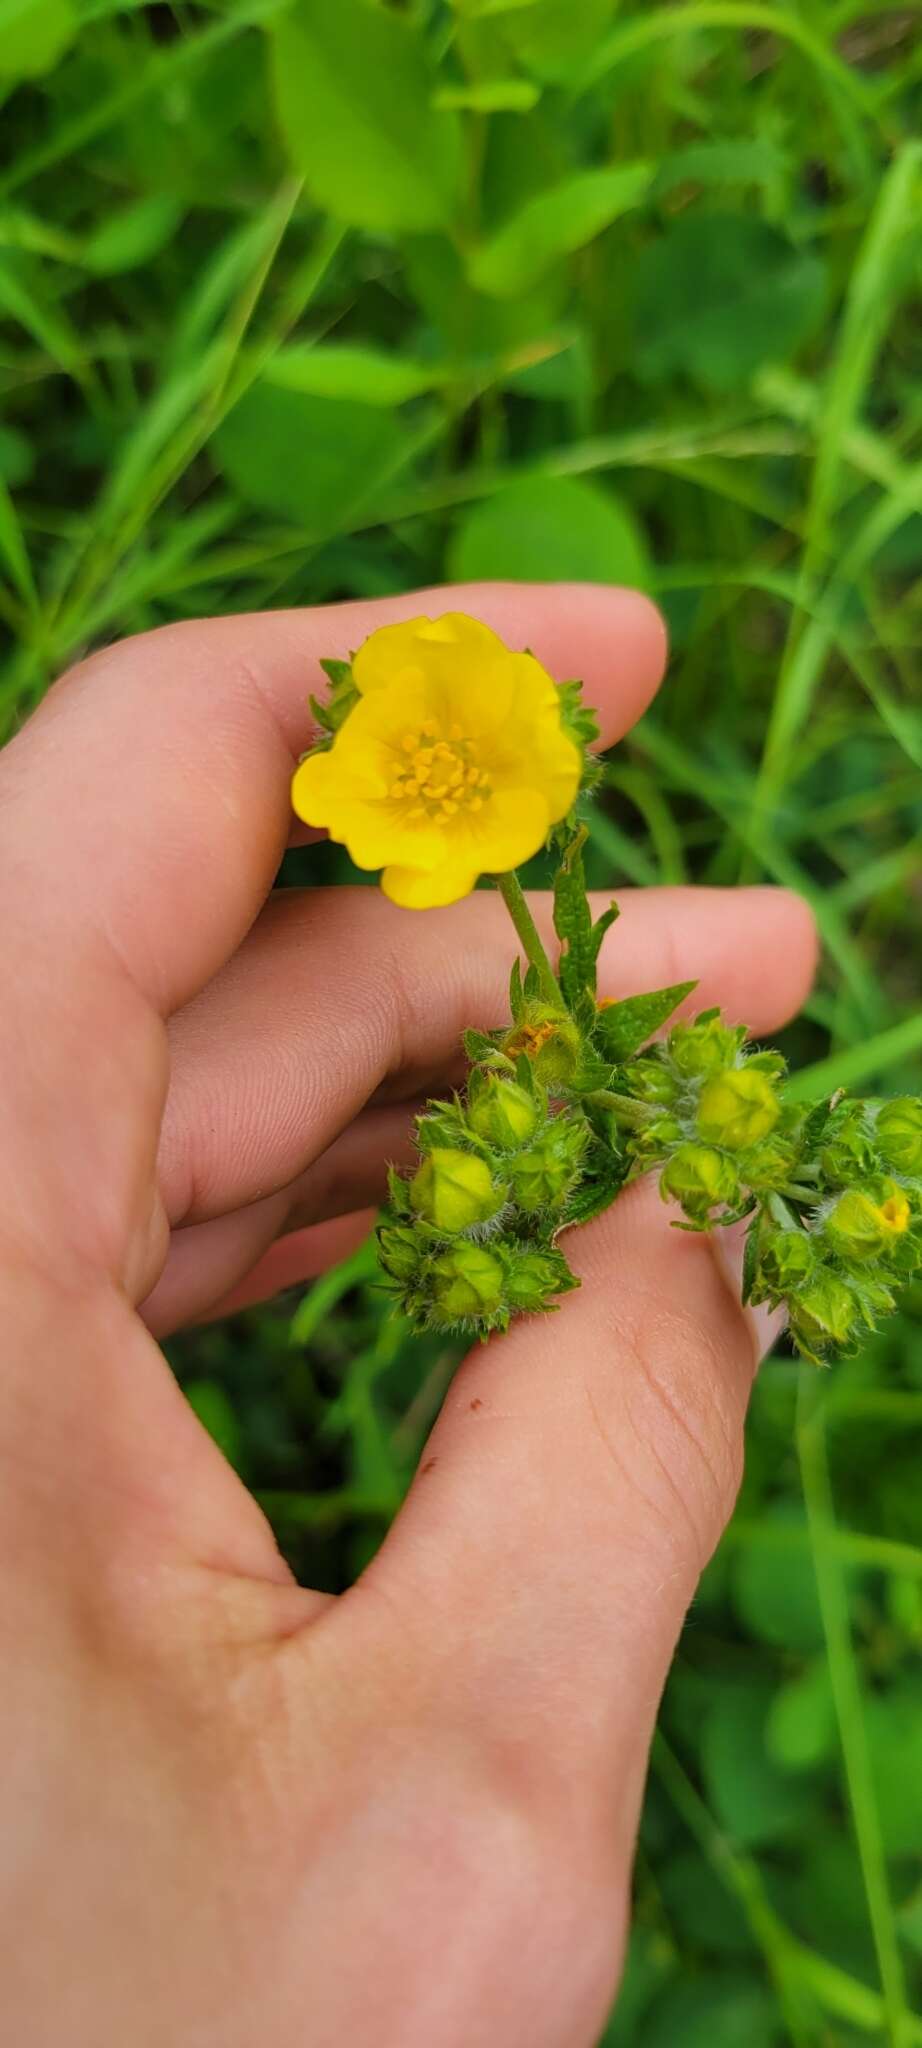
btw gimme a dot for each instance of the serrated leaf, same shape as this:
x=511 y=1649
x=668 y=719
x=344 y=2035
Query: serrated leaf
x=603 y=1177
x=573 y=923
x=624 y=1027
x=479 y=1046
x=353 y=92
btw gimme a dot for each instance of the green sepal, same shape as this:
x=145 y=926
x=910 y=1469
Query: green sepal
x=532 y=986
x=332 y=711
x=580 y=938
x=624 y=1027
x=482 y=1049
x=516 y=992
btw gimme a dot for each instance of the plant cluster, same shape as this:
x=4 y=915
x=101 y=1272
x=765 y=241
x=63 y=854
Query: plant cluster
x=424 y=767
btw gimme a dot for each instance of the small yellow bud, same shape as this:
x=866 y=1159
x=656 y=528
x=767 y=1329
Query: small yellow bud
x=862 y=1227
x=455 y=1190
x=737 y=1108
x=467 y=1281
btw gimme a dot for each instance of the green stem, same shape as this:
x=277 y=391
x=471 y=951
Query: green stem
x=510 y=889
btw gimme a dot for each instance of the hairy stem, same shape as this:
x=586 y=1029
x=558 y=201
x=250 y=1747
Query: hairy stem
x=510 y=889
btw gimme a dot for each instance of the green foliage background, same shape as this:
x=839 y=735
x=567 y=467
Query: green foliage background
x=337 y=298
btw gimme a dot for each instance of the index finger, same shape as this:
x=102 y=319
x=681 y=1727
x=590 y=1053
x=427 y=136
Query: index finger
x=156 y=776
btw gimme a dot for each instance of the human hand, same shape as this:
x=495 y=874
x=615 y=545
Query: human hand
x=236 y=1809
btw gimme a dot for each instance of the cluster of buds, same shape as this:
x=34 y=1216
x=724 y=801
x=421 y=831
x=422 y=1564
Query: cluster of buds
x=572 y=1100
x=834 y=1192
x=469 y=1240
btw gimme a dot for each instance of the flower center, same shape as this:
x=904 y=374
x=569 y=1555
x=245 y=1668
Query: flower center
x=895 y=1212
x=439 y=776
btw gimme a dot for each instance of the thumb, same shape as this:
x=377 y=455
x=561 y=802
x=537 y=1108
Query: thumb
x=577 y=1482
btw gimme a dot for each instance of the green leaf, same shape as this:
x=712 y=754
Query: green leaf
x=718 y=296
x=774 y=1587
x=34 y=35
x=548 y=529
x=719 y=2011
x=353 y=95
x=312 y=460
x=339 y=370
x=132 y=236
x=604 y=1174
x=801 y=1727
x=554 y=38
x=754 y=1800
x=553 y=224
x=489 y=96
x=624 y=1027
x=753 y=160
x=516 y=992
x=894 y=1730
x=573 y=924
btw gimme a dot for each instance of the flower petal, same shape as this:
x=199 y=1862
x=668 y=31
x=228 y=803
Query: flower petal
x=390 y=652
x=512 y=825
x=428 y=889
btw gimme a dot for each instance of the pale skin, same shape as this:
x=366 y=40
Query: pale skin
x=235 y=1810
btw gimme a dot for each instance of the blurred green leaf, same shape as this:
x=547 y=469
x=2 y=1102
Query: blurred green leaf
x=133 y=235
x=754 y=1800
x=353 y=95
x=718 y=295
x=339 y=370
x=721 y=2011
x=306 y=458
x=894 y=1730
x=214 y=1411
x=550 y=528
x=553 y=224
x=774 y=1590
x=801 y=1727
x=34 y=35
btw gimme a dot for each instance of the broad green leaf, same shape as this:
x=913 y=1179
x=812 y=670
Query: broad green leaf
x=313 y=460
x=553 y=224
x=133 y=235
x=717 y=296
x=554 y=38
x=471 y=323
x=718 y=2011
x=624 y=1027
x=753 y=160
x=489 y=96
x=894 y=1731
x=754 y=1800
x=801 y=1729
x=332 y=370
x=34 y=34
x=547 y=529
x=774 y=1588
x=353 y=94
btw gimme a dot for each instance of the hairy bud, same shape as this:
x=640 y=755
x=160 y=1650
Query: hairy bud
x=501 y=1112
x=455 y=1190
x=466 y=1282
x=700 y=1179
x=737 y=1108
x=898 y=1132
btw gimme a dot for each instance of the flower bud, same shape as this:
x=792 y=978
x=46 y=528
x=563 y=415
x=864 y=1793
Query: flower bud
x=737 y=1108
x=542 y=1176
x=700 y=1179
x=825 y=1315
x=550 y=1041
x=465 y=1281
x=534 y=1277
x=703 y=1048
x=399 y=1251
x=650 y=1081
x=866 y=1226
x=455 y=1190
x=846 y=1154
x=898 y=1132
x=787 y=1260
x=502 y=1113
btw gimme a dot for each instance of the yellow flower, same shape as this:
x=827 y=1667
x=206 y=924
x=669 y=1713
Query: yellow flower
x=453 y=763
